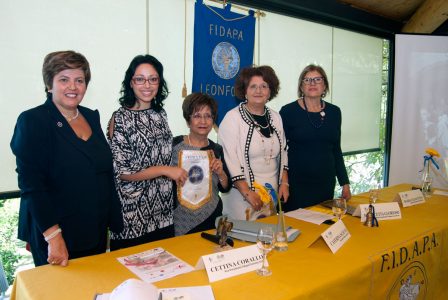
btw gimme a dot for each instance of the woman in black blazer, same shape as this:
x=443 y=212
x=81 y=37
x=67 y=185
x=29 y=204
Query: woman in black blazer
x=64 y=168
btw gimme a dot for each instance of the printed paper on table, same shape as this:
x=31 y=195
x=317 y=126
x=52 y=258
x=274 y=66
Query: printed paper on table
x=155 y=265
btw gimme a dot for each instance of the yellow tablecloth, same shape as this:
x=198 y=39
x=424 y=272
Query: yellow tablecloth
x=405 y=255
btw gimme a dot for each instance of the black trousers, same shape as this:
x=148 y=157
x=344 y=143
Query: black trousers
x=159 y=234
x=39 y=248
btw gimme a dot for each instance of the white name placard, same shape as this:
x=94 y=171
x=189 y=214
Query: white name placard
x=230 y=263
x=439 y=192
x=336 y=236
x=383 y=211
x=410 y=198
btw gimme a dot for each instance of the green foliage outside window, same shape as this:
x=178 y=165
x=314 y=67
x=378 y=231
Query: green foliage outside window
x=9 y=244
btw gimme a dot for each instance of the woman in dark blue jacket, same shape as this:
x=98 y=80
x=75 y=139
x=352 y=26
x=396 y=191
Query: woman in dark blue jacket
x=64 y=168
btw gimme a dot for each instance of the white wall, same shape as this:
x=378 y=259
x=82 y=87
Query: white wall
x=111 y=33
x=420 y=106
x=99 y=29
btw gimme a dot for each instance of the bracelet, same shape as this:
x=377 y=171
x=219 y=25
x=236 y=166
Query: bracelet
x=221 y=180
x=285 y=183
x=53 y=234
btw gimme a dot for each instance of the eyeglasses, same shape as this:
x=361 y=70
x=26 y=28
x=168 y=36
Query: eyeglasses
x=255 y=87
x=198 y=117
x=142 y=80
x=315 y=80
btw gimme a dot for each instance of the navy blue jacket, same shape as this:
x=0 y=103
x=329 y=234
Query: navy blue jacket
x=57 y=179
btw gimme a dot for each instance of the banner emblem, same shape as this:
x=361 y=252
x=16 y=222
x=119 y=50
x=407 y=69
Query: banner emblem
x=225 y=60
x=195 y=174
x=411 y=284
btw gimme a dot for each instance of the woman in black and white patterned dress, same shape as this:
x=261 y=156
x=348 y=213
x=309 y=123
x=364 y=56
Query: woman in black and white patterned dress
x=141 y=143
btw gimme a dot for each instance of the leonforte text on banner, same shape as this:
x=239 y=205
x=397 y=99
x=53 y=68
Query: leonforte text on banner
x=217 y=90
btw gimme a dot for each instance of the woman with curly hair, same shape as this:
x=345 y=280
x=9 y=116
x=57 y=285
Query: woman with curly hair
x=254 y=145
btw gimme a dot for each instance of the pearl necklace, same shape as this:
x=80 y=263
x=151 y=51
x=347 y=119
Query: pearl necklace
x=248 y=113
x=189 y=142
x=69 y=119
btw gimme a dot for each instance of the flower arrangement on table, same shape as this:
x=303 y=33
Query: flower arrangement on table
x=426 y=176
x=263 y=192
x=269 y=199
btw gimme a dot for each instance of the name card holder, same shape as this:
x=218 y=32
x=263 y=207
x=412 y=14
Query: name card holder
x=335 y=236
x=230 y=263
x=383 y=211
x=410 y=198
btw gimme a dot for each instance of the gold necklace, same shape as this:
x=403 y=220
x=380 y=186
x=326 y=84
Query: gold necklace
x=267 y=157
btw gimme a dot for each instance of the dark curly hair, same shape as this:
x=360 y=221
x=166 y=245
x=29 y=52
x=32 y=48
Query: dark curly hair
x=58 y=61
x=311 y=68
x=128 y=97
x=246 y=74
x=195 y=102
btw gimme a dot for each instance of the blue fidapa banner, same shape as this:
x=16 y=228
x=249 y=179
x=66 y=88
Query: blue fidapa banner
x=223 y=44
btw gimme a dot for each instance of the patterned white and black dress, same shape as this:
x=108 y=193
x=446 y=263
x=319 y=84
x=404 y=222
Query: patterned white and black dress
x=141 y=139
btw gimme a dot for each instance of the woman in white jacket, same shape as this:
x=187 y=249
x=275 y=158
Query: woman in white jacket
x=254 y=145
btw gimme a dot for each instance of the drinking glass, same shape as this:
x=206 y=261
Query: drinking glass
x=265 y=243
x=339 y=207
x=373 y=195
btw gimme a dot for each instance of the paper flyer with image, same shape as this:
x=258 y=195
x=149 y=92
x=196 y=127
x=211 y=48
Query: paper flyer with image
x=155 y=265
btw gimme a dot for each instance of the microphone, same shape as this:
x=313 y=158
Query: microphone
x=215 y=239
